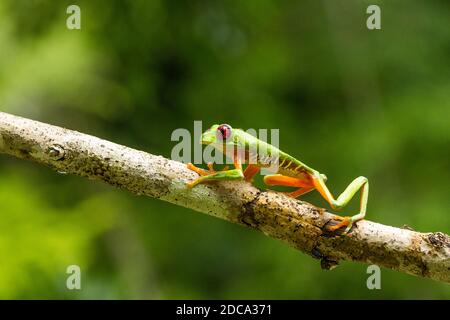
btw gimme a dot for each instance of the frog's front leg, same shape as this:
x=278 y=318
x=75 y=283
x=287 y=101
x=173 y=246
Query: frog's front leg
x=203 y=172
x=250 y=172
x=211 y=175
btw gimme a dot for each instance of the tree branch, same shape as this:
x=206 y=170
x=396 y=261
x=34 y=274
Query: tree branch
x=297 y=223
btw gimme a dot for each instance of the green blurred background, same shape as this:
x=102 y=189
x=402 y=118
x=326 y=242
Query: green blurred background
x=348 y=102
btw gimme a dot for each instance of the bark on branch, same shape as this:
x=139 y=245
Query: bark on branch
x=295 y=222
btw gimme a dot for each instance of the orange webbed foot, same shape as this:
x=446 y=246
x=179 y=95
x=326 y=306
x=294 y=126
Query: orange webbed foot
x=337 y=224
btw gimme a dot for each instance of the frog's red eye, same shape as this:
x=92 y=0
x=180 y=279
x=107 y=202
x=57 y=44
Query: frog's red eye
x=224 y=132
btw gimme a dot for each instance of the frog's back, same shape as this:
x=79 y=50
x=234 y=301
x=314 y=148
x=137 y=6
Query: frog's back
x=290 y=166
x=266 y=155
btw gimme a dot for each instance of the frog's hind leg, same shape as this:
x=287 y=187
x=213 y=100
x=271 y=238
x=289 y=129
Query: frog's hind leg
x=280 y=180
x=360 y=183
x=299 y=192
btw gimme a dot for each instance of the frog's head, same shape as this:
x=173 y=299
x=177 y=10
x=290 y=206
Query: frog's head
x=221 y=135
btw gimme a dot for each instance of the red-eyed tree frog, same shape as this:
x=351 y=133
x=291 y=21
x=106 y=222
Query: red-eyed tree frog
x=243 y=148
